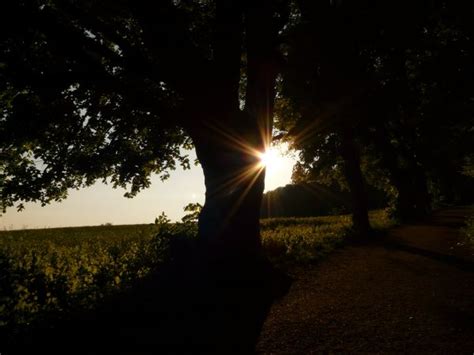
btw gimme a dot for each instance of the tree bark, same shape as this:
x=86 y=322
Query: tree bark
x=229 y=224
x=413 y=197
x=413 y=201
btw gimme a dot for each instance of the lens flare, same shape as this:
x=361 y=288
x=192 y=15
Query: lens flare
x=270 y=159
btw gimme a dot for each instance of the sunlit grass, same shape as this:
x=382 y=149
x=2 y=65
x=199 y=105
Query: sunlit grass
x=308 y=239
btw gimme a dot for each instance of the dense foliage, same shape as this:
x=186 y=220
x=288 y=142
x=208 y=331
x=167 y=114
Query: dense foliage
x=82 y=100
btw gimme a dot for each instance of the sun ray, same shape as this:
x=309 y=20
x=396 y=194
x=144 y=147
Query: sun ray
x=235 y=141
x=237 y=177
x=258 y=157
x=243 y=194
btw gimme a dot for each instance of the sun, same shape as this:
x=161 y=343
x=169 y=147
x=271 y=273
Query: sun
x=278 y=162
x=270 y=159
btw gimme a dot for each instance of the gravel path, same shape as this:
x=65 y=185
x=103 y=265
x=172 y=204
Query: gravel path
x=379 y=299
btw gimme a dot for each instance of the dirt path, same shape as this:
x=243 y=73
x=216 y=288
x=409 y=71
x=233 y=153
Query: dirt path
x=413 y=294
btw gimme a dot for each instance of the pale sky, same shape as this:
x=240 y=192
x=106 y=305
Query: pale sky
x=101 y=203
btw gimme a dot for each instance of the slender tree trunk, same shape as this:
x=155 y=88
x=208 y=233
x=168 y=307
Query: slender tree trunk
x=350 y=154
x=413 y=201
x=413 y=197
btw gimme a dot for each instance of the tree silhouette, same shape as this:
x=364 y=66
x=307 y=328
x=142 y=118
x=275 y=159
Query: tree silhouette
x=424 y=83
x=325 y=86
x=112 y=90
x=362 y=85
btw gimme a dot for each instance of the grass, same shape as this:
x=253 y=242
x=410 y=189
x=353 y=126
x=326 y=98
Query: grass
x=56 y=270
x=307 y=240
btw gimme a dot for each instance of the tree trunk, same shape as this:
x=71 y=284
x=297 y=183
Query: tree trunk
x=413 y=197
x=413 y=201
x=227 y=139
x=229 y=223
x=351 y=156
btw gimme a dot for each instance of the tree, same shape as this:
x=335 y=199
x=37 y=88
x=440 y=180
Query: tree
x=112 y=90
x=363 y=85
x=314 y=199
x=324 y=86
x=424 y=97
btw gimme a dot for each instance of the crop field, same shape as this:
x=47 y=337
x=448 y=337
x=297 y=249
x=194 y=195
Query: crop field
x=56 y=270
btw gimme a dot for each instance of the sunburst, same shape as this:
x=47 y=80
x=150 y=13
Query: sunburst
x=270 y=159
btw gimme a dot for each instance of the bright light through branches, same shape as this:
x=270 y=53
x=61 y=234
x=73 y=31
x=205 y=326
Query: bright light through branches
x=278 y=164
x=270 y=159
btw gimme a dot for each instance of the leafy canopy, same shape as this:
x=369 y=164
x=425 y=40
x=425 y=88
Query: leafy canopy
x=94 y=90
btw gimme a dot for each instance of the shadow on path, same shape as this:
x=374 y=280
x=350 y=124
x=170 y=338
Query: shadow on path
x=437 y=237
x=462 y=263
x=388 y=296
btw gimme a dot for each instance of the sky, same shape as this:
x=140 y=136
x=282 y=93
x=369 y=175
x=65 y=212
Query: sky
x=100 y=203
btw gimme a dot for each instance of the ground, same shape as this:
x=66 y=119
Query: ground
x=413 y=291
x=410 y=291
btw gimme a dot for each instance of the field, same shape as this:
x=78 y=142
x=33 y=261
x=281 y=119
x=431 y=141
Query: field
x=56 y=270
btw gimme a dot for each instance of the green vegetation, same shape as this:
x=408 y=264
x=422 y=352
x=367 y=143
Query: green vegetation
x=468 y=231
x=49 y=270
x=305 y=240
x=57 y=269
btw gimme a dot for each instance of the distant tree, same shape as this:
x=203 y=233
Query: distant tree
x=113 y=90
x=313 y=199
x=162 y=219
